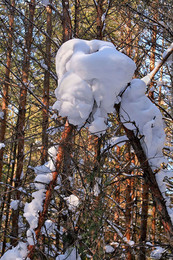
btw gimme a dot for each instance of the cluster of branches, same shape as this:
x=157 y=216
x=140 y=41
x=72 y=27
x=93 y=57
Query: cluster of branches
x=120 y=204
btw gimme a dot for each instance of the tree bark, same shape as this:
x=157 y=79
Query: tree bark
x=76 y=19
x=153 y=51
x=5 y=94
x=45 y=113
x=21 y=117
x=59 y=160
x=99 y=9
x=144 y=218
x=66 y=21
x=150 y=180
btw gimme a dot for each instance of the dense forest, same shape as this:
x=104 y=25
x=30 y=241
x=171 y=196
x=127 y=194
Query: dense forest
x=67 y=192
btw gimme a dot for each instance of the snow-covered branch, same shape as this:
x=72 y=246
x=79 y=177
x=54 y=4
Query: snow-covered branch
x=147 y=79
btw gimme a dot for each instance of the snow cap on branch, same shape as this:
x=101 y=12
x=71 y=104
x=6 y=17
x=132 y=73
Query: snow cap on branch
x=91 y=76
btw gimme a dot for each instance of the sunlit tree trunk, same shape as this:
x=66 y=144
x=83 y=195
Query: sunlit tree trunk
x=66 y=21
x=153 y=48
x=5 y=95
x=76 y=19
x=21 y=116
x=144 y=218
x=45 y=121
x=99 y=8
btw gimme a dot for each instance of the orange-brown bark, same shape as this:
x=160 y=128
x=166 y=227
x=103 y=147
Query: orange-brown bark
x=59 y=160
x=151 y=182
x=99 y=19
x=153 y=50
x=144 y=218
x=45 y=122
x=21 y=117
x=5 y=91
x=66 y=21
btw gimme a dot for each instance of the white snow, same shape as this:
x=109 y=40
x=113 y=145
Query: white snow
x=49 y=227
x=118 y=140
x=161 y=178
x=157 y=252
x=16 y=253
x=2 y=145
x=45 y=2
x=138 y=112
x=72 y=202
x=31 y=238
x=14 y=204
x=109 y=249
x=1 y=115
x=70 y=254
x=91 y=75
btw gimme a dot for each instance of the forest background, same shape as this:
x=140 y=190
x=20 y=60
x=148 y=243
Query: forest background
x=117 y=217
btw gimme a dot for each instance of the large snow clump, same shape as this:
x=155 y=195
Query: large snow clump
x=91 y=75
x=138 y=113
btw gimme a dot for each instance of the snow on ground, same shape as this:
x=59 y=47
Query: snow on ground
x=91 y=75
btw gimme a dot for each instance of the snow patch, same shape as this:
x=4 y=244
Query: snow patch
x=70 y=254
x=16 y=253
x=72 y=202
x=2 y=145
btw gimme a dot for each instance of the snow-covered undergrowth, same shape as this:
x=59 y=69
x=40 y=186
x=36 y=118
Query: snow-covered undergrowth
x=91 y=74
x=43 y=178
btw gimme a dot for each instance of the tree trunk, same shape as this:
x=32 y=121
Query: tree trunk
x=99 y=21
x=66 y=21
x=45 y=122
x=76 y=19
x=153 y=49
x=5 y=95
x=150 y=179
x=144 y=218
x=21 y=117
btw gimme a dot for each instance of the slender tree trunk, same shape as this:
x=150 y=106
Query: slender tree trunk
x=99 y=21
x=45 y=121
x=21 y=117
x=144 y=218
x=161 y=77
x=66 y=23
x=5 y=91
x=150 y=179
x=153 y=50
x=76 y=19
x=153 y=235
